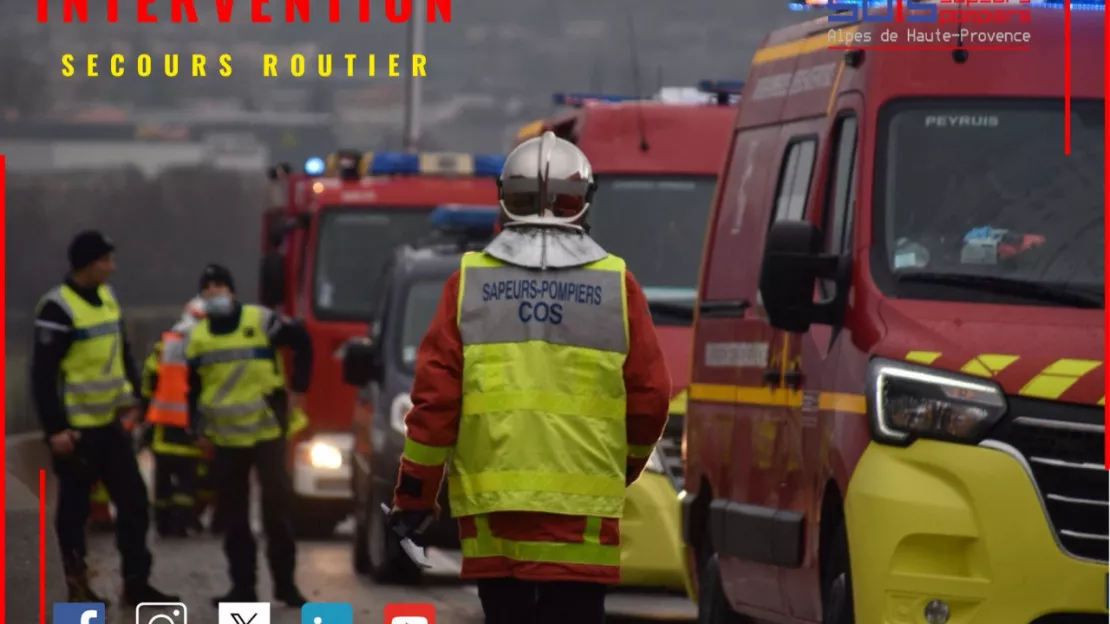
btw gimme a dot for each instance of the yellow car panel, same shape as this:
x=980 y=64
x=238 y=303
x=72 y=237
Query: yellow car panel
x=963 y=524
x=651 y=535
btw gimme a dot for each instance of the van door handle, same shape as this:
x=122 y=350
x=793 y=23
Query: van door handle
x=724 y=309
x=793 y=379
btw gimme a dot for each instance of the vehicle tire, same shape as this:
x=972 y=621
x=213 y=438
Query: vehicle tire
x=388 y=563
x=838 y=608
x=713 y=606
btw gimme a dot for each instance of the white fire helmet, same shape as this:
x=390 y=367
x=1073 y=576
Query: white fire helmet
x=546 y=181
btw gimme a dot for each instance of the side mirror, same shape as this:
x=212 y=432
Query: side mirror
x=792 y=264
x=361 y=362
x=272 y=279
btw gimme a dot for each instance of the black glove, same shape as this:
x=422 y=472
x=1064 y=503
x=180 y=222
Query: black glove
x=411 y=523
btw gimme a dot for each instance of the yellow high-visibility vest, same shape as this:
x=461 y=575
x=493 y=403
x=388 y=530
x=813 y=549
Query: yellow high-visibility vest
x=542 y=426
x=237 y=373
x=94 y=384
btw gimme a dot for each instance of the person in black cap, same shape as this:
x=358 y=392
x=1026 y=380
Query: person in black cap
x=239 y=408
x=85 y=387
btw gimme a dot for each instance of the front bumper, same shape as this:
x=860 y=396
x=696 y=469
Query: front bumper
x=961 y=524
x=651 y=537
x=315 y=480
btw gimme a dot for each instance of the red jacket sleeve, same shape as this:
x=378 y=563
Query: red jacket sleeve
x=432 y=425
x=646 y=380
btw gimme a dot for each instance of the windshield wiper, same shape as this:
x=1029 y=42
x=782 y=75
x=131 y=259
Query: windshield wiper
x=1051 y=293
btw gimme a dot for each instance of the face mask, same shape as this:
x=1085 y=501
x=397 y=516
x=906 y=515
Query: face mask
x=217 y=305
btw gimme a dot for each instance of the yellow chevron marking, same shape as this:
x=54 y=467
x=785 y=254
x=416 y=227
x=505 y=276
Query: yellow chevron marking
x=678 y=404
x=1101 y=401
x=988 y=364
x=923 y=357
x=812 y=43
x=1055 y=380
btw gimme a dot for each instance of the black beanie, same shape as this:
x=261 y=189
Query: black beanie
x=216 y=274
x=88 y=247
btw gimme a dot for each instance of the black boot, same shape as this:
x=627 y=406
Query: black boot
x=78 y=590
x=290 y=595
x=136 y=592
x=237 y=594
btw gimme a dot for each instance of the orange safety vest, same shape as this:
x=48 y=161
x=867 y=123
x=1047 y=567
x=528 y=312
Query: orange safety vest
x=169 y=405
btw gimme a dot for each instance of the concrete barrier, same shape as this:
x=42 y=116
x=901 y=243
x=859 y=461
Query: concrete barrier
x=25 y=456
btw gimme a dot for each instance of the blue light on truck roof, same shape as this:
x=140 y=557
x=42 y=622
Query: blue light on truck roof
x=402 y=163
x=488 y=164
x=314 y=166
x=578 y=99
x=721 y=86
x=385 y=163
x=465 y=216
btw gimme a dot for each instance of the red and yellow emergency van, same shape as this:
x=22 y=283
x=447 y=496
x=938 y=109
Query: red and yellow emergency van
x=896 y=410
x=329 y=232
x=656 y=162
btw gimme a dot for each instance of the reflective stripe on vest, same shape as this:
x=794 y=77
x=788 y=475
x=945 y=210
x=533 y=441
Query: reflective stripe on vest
x=542 y=426
x=237 y=371
x=169 y=405
x=589 y=551
x=94 y=384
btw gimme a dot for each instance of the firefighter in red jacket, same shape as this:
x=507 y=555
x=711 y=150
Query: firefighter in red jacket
x=541 y=378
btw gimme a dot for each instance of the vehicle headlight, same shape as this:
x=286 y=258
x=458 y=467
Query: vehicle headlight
x=906 y=401
x=402 y=403
x=655 y=463
x=325 y=455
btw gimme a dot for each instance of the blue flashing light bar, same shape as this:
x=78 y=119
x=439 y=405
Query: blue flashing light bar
x=314 y=166
x=465 y=217
x=578 y=99
x=488 y=164
x=404 y=163
x=721 y=87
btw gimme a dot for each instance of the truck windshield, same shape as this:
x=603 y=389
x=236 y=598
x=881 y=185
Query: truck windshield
x=657 y=224
x=975 y=200
x=421 y=302
x=353 y=244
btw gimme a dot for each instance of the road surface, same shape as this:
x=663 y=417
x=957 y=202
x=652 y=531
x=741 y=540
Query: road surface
x=196 y=569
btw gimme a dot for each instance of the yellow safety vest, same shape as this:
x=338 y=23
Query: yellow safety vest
x=94 y=384
x=237 y=372
x=542 y=426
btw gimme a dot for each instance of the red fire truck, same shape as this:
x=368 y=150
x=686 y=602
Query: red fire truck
x=327 y=235
x=903 y=419
x=656 y=162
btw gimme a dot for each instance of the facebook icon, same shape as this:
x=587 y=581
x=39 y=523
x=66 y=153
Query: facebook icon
x=79 y=613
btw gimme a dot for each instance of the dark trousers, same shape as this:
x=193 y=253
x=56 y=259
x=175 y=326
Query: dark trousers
x=513 y=601
x=232 y=470
x=105 y=453
x=175 y=490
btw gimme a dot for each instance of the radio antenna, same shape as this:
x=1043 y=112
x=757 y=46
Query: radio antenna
x=636 y=83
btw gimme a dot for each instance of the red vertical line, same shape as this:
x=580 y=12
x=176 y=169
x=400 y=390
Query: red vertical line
x=1067 y=77
x=3 y=459
x=1106 y=222
x=42 y=546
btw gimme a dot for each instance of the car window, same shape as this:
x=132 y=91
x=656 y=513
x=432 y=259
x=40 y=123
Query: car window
x=838 y=213
x=793 y=188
